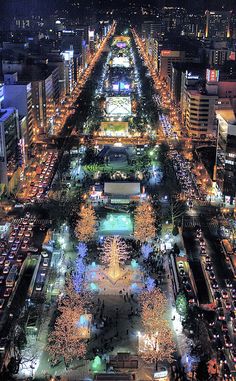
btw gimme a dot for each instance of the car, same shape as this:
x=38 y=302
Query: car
x=233 y=354
x=219 y=304
x=209 y=267
x=227 y=304
x=7 y=292
x=215 y=333
x=19 y=258
x=2 y=279
x=234 y=305
x=208 y=259
x=26 y=240
x=24 y=246
x=217 y=295
x=212 y=275
x=38 y=287
x=45 y=262
x=224 y=326
x=2 y=259
x=214 y=284
x=45 y=255
x=11 y=255
x=7 y=263
x=226 y=371
x=233 y=293
x=221 y=315
x=188 y=288
x=33 y=249
x=228 y=283
x=219 y=345
x=232 y=315
x=234 y=326
x=222 y=357
x=227 y=340
x=224 y=294
x=2 y=301
x=6 y=270
x=185 y=279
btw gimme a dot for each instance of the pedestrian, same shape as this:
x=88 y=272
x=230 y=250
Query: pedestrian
x=127 y=332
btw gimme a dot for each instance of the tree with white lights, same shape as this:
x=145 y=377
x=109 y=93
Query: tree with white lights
x=144 y=222
x=114 y=254
x=156 y=343
x=86 y=225
x=67 y=339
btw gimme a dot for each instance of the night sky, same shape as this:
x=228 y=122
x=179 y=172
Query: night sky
x=24 y=7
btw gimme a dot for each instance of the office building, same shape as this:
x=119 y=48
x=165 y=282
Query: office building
x=217 y=24
x=225 y=174
x=18 y=94
x=9 y=150
x=200 y=114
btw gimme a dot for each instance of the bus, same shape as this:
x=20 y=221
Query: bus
x=232 y=265
x=226 y=248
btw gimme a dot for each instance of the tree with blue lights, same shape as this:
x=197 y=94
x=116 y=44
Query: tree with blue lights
x=146 y=250
x=150 y=283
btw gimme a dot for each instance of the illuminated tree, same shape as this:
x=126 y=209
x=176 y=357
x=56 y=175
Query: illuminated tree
x=67 y=339
x=146 y=250
x=114 y=254
x=144 y=222
x=86 y=225
x=156 y=343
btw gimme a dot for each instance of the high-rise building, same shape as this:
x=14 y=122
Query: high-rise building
x=225 y=174
x=200 y=114
x=217 y=24
x=18 y=94
x=9 y=150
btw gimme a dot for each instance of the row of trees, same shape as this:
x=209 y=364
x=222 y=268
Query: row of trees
x=144 y=223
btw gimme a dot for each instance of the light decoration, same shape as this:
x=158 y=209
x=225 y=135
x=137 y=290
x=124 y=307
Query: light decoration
x=144 y=222
x=86 y=225
x=67 y=340
x=150 y=284
x=114 y=255
x=156 y=343
x=146 y=250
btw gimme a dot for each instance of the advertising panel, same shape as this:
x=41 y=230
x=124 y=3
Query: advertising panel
x=212 y=75
x=122 y=188
x=120 y=62
x=114 y=128
x=118 y=106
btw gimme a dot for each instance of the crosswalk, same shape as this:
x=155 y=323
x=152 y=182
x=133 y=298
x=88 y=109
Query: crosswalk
x=191 y=223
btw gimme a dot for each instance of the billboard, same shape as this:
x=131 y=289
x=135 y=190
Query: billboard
x=120 y=62
x=121 y=45
x=170 y=53
x=118 y=106
x=212 y=75
x=122 y=188
x=114 y=128
x=120 y=86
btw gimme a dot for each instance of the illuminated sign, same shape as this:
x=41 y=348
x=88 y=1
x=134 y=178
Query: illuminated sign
x=189 y=75
x=91 y=35
x=68 y=55
x=121 y=45
x=170 y=53
x=212 y=75
x=121 y=62
x=232 y=56
x=118 y=106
